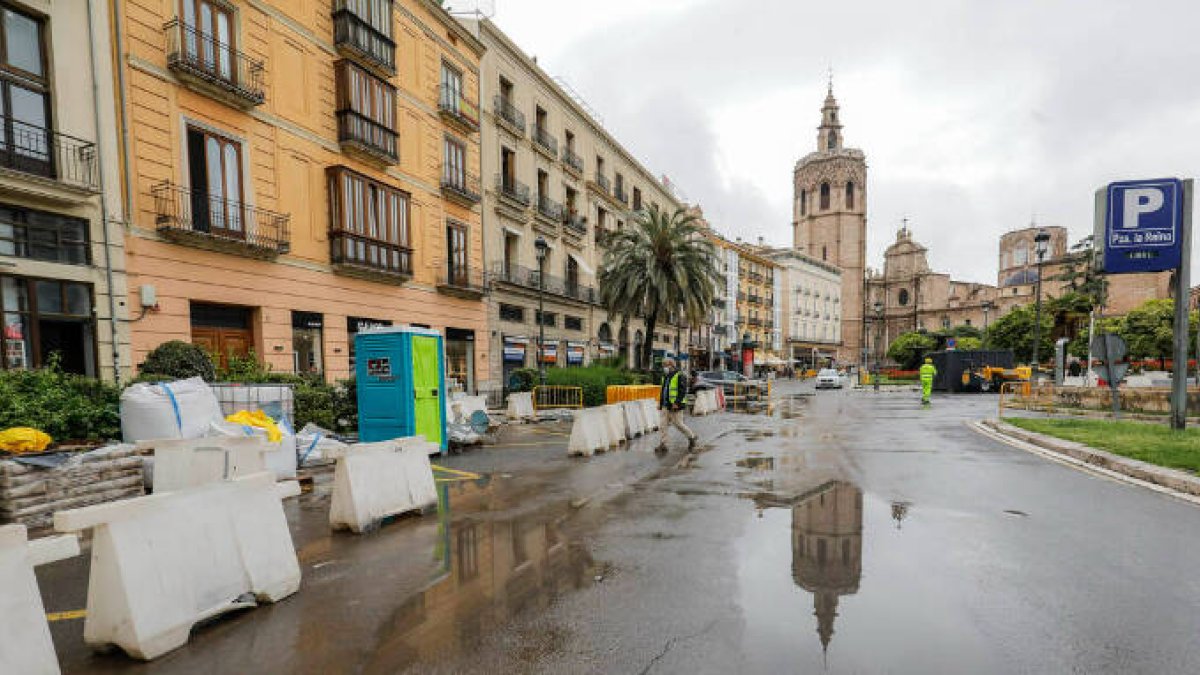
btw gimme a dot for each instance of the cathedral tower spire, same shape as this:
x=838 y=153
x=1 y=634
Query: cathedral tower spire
x=829 y=134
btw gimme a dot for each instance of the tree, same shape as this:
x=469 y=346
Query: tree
x=660 y=266
x=908 y=348
x=969 y=343
x=1149 y=330
x=1015 y=331
x=1082 y=277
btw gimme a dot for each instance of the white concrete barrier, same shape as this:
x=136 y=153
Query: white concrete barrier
x=25 y=644
x=162 y=563
x=520 y=406
x=373 y=481
x=650 y=411
x=180 y=464
x=615 y=419
x=589 y=432
x=705 y=402
x=635 y=420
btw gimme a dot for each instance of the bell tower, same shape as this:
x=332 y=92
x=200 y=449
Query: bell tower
x=829 y=218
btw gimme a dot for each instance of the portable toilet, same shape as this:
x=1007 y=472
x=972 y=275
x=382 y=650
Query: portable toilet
x=401 y=374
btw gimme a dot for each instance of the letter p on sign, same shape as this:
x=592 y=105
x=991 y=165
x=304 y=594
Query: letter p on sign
x=1140 y=201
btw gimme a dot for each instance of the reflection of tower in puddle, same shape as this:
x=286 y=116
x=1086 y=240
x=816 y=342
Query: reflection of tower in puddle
x=827 y=548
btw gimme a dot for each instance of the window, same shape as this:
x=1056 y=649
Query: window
x=601 y=218
x=454 y=163
x=637 y=199
x=24 y=95
x=44 y=318
x=849 y=195
x=208 y=37
x=215 y=173
x=546 y=319
x=803 y=202
x=508 y=169
x=824 y=253
x=456 y=253
x=369 y=223
x=572 y=323
x=307 y=348
x=569 y=136
x=366 y=108
x=572 y=196
x=506 y=91
x=512 y=313
x=824 y=196
x=452 y=88
x=572 y=275
x=945 y=322
x=368 y=29
x=831 y=142
x=543 y=185
x=25 y=233
x=902 y=297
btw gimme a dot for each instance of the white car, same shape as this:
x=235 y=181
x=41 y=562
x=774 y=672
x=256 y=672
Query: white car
x=828 y=378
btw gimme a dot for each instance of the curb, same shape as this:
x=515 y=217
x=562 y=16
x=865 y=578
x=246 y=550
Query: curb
x=1142 y=472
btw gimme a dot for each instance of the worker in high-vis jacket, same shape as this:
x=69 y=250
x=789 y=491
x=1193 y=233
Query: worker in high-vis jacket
x=670 y=399
x=928 y=372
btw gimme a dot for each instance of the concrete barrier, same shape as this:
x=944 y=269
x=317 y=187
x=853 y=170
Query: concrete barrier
x=615 y=418
x=25 y=643
x=589 y=433
x=520 y=406
x=650 y=412
x=181 y=464
x=162 y=563
x=374 y=481
x=461 y=408
x=705 y=402
x=635 y=420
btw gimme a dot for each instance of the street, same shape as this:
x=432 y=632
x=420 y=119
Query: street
x=840 y=531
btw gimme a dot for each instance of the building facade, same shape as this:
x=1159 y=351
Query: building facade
x=62 y=278
x=811 y=308
x=553 y=174
x=829 y=219
x=298 y=172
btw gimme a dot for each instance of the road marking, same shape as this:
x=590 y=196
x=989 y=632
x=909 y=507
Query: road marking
x=66 y=616
x=1099 y=471
x=456 y=472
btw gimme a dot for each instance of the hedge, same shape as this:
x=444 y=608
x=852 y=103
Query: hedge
x=71 y=408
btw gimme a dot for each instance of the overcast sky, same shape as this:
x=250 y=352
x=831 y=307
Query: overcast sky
x=976 y=117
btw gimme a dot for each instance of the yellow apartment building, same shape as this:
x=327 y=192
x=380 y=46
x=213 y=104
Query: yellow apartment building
x=299 y=170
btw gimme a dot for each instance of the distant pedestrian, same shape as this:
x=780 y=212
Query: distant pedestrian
x=928 y=372
x=670 y=398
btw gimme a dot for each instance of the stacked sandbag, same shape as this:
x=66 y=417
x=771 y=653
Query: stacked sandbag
x=31 y=494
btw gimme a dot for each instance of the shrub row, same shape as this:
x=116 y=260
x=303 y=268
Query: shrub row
x=593 y=379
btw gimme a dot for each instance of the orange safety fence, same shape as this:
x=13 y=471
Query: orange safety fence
x=619 y=393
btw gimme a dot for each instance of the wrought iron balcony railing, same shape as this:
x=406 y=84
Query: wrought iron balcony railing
x=603 y=182
x=573 y=160
x=42 y=152
x=529 y=278
x=356 y=35
x=461 y=282
x=544 y=141
x=511 y=188
x=199 y=218
x=575 y=221
x=357 y=252
x=362 y=133
x=460 y=185
x=508 y=113
x=549 y=208
x=207 y=61
x=457 y=108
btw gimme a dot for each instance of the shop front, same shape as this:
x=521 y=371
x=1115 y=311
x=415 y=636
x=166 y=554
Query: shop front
x=575 y=353
x=356 y=325
x=308 y=330
x=460 y=359
x=514 y=354
x=43 y=320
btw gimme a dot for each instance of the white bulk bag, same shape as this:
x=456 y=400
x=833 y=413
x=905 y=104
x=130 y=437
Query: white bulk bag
x=180 y=409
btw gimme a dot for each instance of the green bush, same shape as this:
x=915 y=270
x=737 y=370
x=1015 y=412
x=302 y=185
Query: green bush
x=594 y=380
x=68 y=407
x=177 y=360
x=523 y=379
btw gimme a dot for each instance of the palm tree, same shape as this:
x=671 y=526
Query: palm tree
x=660 y=266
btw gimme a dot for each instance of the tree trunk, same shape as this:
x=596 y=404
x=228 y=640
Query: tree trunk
x=648 y=342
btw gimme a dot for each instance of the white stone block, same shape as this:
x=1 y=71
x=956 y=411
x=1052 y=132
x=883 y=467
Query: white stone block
x=162 y=563
x=25 y=643
x=373 y=481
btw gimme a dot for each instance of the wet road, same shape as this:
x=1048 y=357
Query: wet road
x=847 y=531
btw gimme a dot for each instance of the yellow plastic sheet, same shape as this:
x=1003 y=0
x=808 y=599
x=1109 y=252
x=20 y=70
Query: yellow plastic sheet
x=257 y=418
x=24 y=439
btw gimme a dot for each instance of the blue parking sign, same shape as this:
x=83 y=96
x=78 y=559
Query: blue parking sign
x=1143 y=225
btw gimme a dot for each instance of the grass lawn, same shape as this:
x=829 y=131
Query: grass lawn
x=1149 y=442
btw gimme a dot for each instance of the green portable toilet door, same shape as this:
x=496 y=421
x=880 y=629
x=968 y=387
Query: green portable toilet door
x=427 y=406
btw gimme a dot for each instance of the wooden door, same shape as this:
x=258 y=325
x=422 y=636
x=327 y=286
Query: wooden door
x=222 y=343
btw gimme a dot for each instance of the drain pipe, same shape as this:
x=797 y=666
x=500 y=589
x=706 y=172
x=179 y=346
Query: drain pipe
x=114 y=322
x=122 y=109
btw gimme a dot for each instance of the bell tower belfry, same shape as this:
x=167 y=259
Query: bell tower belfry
x=829 y=218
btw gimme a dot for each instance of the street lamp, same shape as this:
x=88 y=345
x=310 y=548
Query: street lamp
x=878 y=307
x=1040 y=243
x=542 y=248
x=987 y=307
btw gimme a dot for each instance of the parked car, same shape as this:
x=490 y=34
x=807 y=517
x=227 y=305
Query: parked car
x=734 y=383
x=828 y=378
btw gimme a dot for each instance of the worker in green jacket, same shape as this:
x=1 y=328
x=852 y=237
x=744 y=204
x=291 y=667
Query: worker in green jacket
x=674 y=390
x=928 y=372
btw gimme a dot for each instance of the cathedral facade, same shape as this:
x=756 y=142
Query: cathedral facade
x=829 y=219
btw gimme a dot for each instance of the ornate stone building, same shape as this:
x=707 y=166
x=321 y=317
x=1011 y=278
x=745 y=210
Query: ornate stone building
x=830 y=218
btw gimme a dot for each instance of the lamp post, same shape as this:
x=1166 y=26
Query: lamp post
x=878 y=307
x=987 y=307
x=1040 y=243
x=542 y=248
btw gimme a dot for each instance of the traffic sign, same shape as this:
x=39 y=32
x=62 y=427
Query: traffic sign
x=951 y=343
x=1111 y=350
x=1142 y=223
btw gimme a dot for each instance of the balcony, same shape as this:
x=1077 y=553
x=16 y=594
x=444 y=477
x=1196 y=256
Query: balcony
x=575 y=223
x=460 y=187
x=213 y=66
x=456 y=109
x=356 y=38
x=754 y=299
x=603 y=183
x=545 y=143
x=549 y=209
x=526 y=278
x=462 y=283
x=512 y=190
x=34 y=151
x=621 y=195
x=603 y=236
x=363 y=136
x=358 y=256
x=507 y=115
x=754 y=323
x=196 y=218
x=573 y=162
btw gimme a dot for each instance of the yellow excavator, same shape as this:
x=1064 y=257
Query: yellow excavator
x=989 y=378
